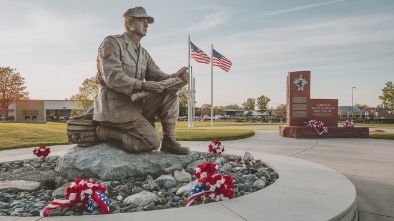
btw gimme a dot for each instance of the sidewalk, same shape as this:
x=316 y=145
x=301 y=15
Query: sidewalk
x=27 y=153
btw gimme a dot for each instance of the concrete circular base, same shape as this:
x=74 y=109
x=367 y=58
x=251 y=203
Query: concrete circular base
x=304 y=191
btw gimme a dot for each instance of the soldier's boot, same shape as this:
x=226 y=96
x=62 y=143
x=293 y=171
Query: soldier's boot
x=169 y=144
x=107 y=133
x=130 y=143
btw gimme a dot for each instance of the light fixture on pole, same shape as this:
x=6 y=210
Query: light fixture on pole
x=352 y=101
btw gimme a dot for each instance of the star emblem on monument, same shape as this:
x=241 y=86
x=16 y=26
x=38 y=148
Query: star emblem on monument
x=300 y=82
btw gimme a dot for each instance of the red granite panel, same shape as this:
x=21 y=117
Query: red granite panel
x=324 y=110
x=298 y=94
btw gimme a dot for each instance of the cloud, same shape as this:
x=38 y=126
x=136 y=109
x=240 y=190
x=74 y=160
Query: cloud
x=309 y=41
x=300 y=8
x=211 y=21
x=301 y=45
x=42 y=26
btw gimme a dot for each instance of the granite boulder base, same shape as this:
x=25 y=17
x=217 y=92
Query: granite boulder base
x=110 y=163
x=301 y=109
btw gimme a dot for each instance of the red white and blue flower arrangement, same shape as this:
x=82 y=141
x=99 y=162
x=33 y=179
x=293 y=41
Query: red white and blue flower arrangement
x=211 y=184
x=348 y=123
x=42 y=152
x=82 y=194
x=216 y=147
x=318 y=126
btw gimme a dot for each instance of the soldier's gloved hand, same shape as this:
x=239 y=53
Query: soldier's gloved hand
x=152 y=87
x=183 y=73
x=185 y=76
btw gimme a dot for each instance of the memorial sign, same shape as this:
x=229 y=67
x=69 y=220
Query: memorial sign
x=298 y=91
x=301 y=109
x=324 y=110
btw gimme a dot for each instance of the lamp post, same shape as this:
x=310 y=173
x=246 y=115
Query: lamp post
x=352 y=101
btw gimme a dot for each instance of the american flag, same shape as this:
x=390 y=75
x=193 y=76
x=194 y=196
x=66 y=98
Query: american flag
x=199 y=55
x=198 y=190
x=221 y=61
x=102 y=201
x=53 y=205
x=98 y=197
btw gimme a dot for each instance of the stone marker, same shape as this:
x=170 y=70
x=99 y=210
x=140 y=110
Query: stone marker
x=301 y=109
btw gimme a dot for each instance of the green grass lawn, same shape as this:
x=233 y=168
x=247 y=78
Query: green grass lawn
x=381 y=135
x=391 y=126
x=19 y=135
x=183 y=124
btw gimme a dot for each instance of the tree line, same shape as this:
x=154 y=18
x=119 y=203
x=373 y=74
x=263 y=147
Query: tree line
x=12 y=89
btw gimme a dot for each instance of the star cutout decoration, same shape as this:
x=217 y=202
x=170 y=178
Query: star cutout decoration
x=300 y=82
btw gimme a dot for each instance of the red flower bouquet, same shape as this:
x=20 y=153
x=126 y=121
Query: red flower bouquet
x=318 y=126
x=348 y=123
x=216 y=147
x=42 y=152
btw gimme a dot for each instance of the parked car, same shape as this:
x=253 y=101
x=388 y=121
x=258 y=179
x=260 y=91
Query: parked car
x=182 y=118
x=206 y=117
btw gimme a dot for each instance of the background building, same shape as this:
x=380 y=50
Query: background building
x=345 y=112
x=41 y=111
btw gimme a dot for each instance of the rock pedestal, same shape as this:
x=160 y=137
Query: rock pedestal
x=107 y=162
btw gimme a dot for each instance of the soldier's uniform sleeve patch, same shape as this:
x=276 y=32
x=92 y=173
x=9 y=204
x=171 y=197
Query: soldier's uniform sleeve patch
x=105 y=50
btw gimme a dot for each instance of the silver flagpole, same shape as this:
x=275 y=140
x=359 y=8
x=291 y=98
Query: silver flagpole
x=189 y=124
x=191 y=98
x=194 y=100
x=211 y=86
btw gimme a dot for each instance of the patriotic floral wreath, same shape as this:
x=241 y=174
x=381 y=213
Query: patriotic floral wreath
x=82 y=194
x=211 y=184
x=348 y=123
x=42 y=152
x=216 y=147
x=318 y=126
x=205 y=170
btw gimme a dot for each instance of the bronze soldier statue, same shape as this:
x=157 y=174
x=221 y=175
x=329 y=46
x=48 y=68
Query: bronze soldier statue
x=125 y=68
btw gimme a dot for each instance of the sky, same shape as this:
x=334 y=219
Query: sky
x=344 y=43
